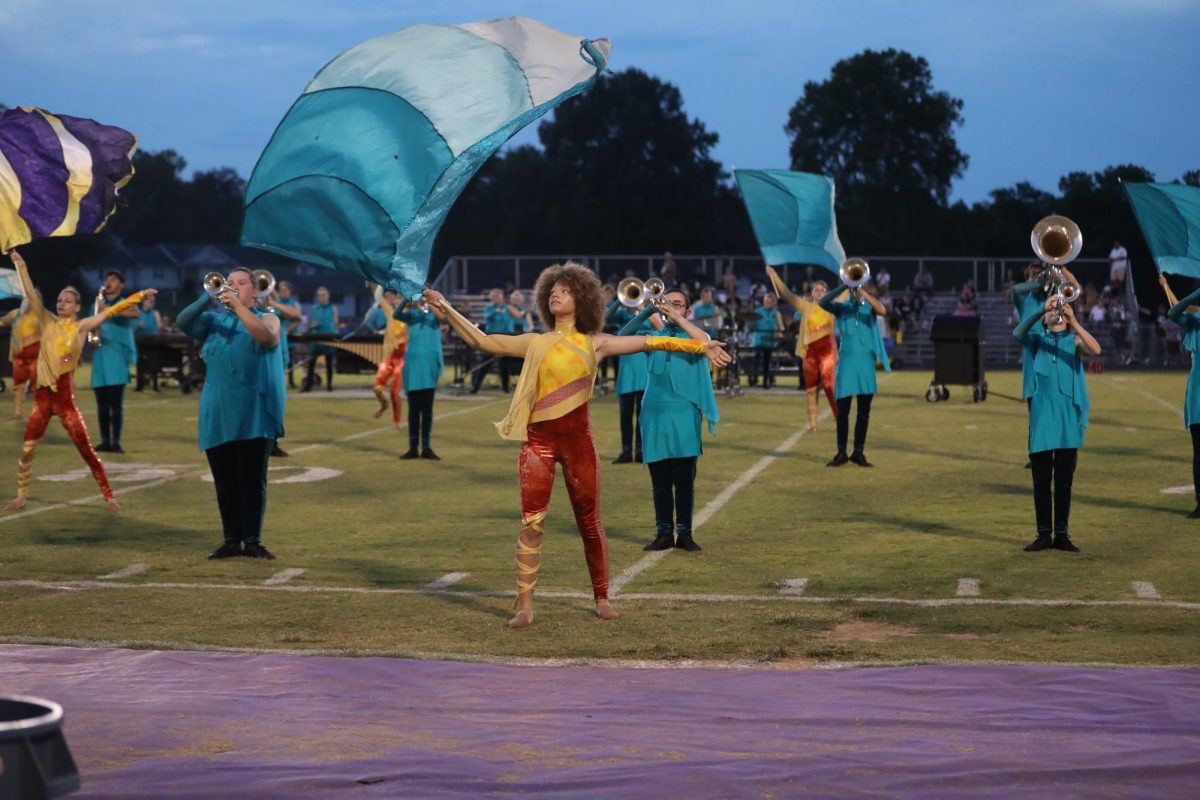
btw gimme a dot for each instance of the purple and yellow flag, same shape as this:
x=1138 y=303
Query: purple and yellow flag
x=59 y=175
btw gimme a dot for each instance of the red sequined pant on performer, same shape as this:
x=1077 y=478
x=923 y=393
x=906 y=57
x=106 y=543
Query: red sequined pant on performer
x=392 y=369
x=24 y=364
x=820 y=364
x=567 y=441
x=59 y=403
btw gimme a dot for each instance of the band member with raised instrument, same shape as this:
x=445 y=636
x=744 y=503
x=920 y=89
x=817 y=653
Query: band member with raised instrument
x=423 y=365
x=62 y=342
x=241 y=405
x=631 y=372
x=814 y=346
x=23 y=349
x=549 y=414
x=1058 y=415
x=860 y=346
x=1189 y=322
x=114 y=352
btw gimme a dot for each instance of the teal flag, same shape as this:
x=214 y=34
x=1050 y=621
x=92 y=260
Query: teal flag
x=362 y=171
x=792 y=215
x=1169 y=215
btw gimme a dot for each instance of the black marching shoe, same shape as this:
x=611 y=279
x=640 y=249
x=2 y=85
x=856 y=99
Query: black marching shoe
x=429 y=455
x=1028 y=465
x=838 y=460
x=411 y=454
x=663 y=541
x=1195 y=514
x=638 y=457
x=1063 y=542
x=116 y=448
x=1042 y=542
x=858 y=458
x=256 y=550
x=278 y=452
x=626 y=457
x=103 y=447
x=685 y=542
x=227 y=550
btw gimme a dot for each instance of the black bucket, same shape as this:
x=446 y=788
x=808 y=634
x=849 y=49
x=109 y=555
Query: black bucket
x=35 y=761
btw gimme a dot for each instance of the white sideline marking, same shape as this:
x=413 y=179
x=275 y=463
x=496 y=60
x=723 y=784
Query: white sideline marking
x=449 y=579
x=794 y=586
x=632 y=596
x=128 y=572
x=968 y=587
x=283 y=577
x=1164 y=403
x=1185 y=489
x=1146 y=590
x=93 y=498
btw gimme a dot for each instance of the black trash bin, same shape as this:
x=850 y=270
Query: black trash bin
x=35 y=762
x=957 y=357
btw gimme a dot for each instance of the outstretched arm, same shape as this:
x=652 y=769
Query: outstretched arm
x=190 y=319
x=1083 y=340
x=829 y=301
x=609 y=345
x=689 y=327
x=35 y=303
x=88 y=324
x=781 y=289
x=497 y=344
x=639 y=319
x=1021 y=332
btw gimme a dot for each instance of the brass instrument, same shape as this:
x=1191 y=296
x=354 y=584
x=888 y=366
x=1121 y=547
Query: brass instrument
x=632 y=292
x=216 y=285
x=855 y=272
x=1057 y=241
x=264 y=284
x=93 y=337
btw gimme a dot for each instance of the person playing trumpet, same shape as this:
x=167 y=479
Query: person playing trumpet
x=1058 y=415
x=114 y=353
x=549 y=413
x=54 y=394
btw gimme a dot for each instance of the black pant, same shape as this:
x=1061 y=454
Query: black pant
x=674 y=481
x=860 y=423
x=1195 y=429
x=239 y=471
x=110 y=407
x=330 y=362
x=1059 y=464
x=615 y=363
x=420 y=417
x=762 y=365
x=631 y=430
x=500 y=362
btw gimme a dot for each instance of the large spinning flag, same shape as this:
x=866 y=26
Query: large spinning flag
x=10 y=284
x=365 y=166
x=1169 y=214
x=59 y=175
x=792 y=215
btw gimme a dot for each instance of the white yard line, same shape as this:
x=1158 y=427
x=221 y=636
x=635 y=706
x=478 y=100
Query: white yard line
x=283 y=577
x=128 y=572
x=968 y=587
x=1146 y=590
x=446 y=580
x=794 y=586
x=1164 y=403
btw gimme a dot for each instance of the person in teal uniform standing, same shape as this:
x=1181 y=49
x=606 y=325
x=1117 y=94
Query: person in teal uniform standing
x=631 y=385
x=705 y=314
x=322 y=319
x=678 y=395
x=1189 y=323
x=149 y=324
x=860 y=344
x=288 y=314
x=111 y=362
x=766 y=335
x=615 y=317
x=498 y=317
x=241 y=407
x=285 y=295
x=1058 y=415
x=423 y=365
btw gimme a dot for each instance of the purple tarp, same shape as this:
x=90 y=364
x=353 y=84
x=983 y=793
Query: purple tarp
x=207 y=725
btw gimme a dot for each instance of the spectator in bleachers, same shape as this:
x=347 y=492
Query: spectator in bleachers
x=923 y=283
x=1118 y=265
x=1099 y=312
x=967 y=295
x=669 y=271
x=1173 y=336
x=883 y=280
x=1118 y=321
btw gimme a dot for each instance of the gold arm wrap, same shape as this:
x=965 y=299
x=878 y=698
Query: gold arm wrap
x=133 y=299
x=505 y=345
x=672 y=344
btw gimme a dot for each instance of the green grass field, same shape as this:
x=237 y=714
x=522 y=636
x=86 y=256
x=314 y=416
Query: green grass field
x=948 y=500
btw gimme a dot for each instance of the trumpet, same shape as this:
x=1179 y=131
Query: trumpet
x=216 y=285
x=855 y=272
x=1057 y=240
x=264 y=284
x=93 y=336
x=632 y=292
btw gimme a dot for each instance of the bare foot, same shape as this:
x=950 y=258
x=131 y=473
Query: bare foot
x=113 y=505
x=812 y=428
x=605 y=611
x=17 y=416
x=16 y=505
x=523 y=619
x=397 y=425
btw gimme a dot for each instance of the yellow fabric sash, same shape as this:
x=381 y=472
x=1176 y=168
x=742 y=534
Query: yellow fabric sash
x=525 y=398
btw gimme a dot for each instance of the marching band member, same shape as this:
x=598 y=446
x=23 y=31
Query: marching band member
x=23 y=349
x=111 y=360
x=815 y=345
x=62 y=342
x=1058 y=415
x=391 y=369
x=549 y=414
x=498 y=317
x=631 y=383
x=422 y=369
x=288 y=312
x=241 y=406
x=860 y=345
x=766 y=334
x=322 y=318
x=1189 y=322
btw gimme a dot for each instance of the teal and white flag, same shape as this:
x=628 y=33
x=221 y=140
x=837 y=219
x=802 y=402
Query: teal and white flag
x=793 y=217
x=1169 y=215
x=362 y=171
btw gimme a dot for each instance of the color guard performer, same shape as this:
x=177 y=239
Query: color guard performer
x=815 y=345
x=391 y=369
x=1189 y=322
x=549 y=414
x=23 y=349
x=62 y=342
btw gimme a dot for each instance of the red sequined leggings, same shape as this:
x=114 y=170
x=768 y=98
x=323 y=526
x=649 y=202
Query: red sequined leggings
x=392 y=369
x=60 y=403
x=567 y=441
x=820 y=364
x=24 y=365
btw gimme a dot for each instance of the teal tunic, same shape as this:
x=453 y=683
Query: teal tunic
x=147 y=322
x=616 y=316
x=1028 y=298
x=376 y=320
x=1189 y=321
x=1058 y=414
x=320 y=320
x=633 y=371
x=117 y=352
x=705 y=315
x=766 y=334
x=286 y=326
x=860 y=345
x=678 y=393
x=423 y=362
x=498 y=319
x=243 y=394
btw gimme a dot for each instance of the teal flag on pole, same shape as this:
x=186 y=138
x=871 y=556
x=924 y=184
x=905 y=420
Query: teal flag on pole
x=362 y=171
x=793 y=217
x=1169 y=215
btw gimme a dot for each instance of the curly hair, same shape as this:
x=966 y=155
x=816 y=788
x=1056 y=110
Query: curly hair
x=585 y=289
